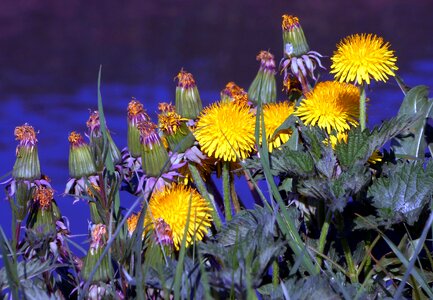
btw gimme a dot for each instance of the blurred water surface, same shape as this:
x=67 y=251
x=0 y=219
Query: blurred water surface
x=51 y=51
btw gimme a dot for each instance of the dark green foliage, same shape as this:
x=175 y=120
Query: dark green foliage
x=412 y=142
x=242 y=253
x=401 y=193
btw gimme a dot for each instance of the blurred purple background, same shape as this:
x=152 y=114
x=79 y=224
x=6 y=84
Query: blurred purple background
x=51 y=51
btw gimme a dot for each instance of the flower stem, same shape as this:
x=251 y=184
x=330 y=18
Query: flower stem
x=346 y=249
x=235 y=199
x=323 y=235
x=226 y=191
x=275 y=273
x=362 y=107
x=199 y=183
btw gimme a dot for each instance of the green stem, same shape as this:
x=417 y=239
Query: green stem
x=199 y=183
x=349 y=260
x=226 y=190
x=347 y=252
x=275 y=273
x=322 y=238
x=235 y=199
x=362 y=107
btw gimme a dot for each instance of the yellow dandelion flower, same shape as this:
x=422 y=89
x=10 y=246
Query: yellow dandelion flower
x=169 y=207
x=334 y=139
x=360 y=57
x=330 y=105
x=375 y=158
x=225 y=130
x=275 y=114
x=132 y=222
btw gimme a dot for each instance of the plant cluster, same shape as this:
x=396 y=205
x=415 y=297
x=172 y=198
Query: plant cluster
x=347 y=213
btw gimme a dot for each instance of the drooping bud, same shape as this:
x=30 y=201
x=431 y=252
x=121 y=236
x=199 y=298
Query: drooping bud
x=80 y=157
x=174 y=128
x=97 y=140
x=154 y=157
x=104 y=272
x=188 y=103
x=264 y=86
x=136 y=114
x=27 y=165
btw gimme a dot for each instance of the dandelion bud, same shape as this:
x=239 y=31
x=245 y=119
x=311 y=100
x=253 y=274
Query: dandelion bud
x=233 y=92
x=27 y=163
x=294 y=41
x=104 y=271
x=97 y=140
x=175 y=130
x=42 y=218
x=136 y=114
x=188 y=102
x=80 y=157
x=154 y=156
x=264 y=86
x=131 y=223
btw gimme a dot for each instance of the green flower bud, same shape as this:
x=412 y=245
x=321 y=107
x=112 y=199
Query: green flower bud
x=174 y=128
x=80 y=157
x=188 y=103
x=136 y=114
x=264 y=86
x=104 y=272
x=27 y=163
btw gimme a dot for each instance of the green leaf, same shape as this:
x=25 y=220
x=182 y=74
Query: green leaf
x=292 y=162
x=313 y=287
x=356 y=150
x=412 y=143
x=403 y=194
x=380 y=135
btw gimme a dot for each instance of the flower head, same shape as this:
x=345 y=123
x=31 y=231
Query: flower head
x=136 y=114
x=81 y=162
x=298 y=59
x=26 y=135
x=264 y=86
x=225 y=130
x=97 y=141
x=274 y=115
x=294 y=39
x=188 y=102
x=330 y=105
x=43 y=195
x=360 y=57
x=27 y=165
x=233 y=92
x=132 y=222
x=154 y=158
x=174 y=128
x=167 y=214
